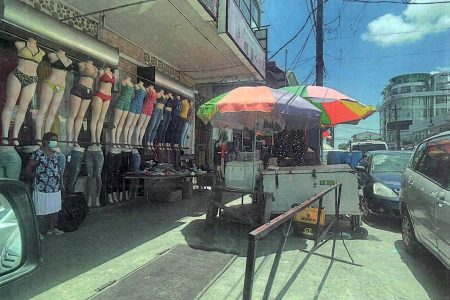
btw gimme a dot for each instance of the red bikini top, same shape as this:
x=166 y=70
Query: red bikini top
x=105 y=78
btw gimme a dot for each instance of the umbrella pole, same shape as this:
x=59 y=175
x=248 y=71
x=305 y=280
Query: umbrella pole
x=254 y=152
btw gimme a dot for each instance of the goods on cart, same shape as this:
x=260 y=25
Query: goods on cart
x=305 y=222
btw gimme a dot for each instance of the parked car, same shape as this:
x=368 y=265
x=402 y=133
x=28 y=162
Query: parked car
x=367 y=146
x=379 y=175
x=425 y=198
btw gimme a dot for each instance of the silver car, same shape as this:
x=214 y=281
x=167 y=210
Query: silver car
x=425 y=198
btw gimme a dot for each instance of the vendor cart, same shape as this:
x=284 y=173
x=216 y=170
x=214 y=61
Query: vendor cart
x=293 y=185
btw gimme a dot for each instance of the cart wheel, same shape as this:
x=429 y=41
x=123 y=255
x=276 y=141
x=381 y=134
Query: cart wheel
x=360 y=233
x=355 y=221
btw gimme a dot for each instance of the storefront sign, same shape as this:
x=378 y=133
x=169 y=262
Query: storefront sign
x=240 y=32
x=211 y=6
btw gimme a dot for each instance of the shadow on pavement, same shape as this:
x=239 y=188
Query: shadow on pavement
x=384 y=223
x=105 y=234
x=428 y=270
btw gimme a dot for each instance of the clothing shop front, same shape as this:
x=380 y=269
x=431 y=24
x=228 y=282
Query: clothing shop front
x=110 y=118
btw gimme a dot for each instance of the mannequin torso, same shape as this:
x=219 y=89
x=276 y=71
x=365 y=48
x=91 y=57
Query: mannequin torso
x=107 y=80
x=88 y=72
x=60 y=64
x=30 y=55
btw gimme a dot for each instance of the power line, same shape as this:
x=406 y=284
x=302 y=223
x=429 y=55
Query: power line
x=390 y=33
x=404 y=2
x=387 y=56
x=295 y=35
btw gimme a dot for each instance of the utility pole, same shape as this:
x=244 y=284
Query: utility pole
x=319 y=43
x=397 y=128
x=319 y=57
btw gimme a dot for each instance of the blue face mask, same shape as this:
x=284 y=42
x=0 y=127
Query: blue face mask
x=53 y=144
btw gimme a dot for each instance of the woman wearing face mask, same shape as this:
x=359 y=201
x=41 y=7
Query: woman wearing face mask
x=44 y=169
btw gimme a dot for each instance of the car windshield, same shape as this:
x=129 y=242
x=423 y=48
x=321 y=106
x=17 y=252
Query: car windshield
x=368 y=147
x=390 y=162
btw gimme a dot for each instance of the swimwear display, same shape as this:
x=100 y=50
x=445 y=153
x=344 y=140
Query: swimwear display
x=81 y=91
x=124 y=100
x=86 y=73
x=25 y=53
x=138 y=101
x=60 y=66
x=55 y=87
x=24 y=79
x=103 y=96
x=149 y=103
x=106 y=79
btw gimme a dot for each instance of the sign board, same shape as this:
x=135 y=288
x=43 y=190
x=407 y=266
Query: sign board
x=238 y=30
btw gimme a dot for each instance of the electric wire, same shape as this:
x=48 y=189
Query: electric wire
x=408 y=2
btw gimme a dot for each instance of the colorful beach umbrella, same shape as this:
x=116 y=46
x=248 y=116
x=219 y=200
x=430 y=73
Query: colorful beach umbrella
x=337 y=108
x=259 y=107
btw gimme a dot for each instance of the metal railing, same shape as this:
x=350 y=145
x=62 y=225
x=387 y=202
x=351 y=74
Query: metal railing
x=265 y=229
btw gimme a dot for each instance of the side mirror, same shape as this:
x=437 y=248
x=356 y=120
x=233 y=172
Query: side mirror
x=19 y=237
x=360 y=169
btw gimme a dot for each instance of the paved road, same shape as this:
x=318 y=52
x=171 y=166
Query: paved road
x=115 y=240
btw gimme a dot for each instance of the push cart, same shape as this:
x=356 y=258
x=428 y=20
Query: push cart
x=293 y=185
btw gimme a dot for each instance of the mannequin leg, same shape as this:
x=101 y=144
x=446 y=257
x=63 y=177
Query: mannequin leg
x=25 y=97
x=141 y=127
x=153 y=124
x=128 y=123
x=117 y=116
x=53 y=109
x=80 y=117
x=74 y=107
x=123 y=117
x=12 y=94
x=132 y=130
x=96 y=111
x=45 y=98
x=101 y=120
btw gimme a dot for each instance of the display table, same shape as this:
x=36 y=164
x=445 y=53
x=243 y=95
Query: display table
x=172 y=182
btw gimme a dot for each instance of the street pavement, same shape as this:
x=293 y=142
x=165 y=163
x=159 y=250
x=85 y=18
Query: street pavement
x=117 y=239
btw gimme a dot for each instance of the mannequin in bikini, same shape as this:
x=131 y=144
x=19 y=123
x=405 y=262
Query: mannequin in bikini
x=80 y=98
x=134 y=112
x=100 y=103
x=146 y=114
x=52 y=91
x=21 y=84
x=121 y=108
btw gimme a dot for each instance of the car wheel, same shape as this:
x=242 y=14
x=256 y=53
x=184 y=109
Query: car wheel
x=408 y=236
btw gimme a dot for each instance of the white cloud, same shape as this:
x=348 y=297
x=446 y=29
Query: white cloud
x=413 y=24
x=441 y=70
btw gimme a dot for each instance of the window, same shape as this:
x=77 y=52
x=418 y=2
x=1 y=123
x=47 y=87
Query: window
x=405 y=89
x=419 y=89
x=441 y=99
x=435 y=164
x=417 y=155
x=394 y=91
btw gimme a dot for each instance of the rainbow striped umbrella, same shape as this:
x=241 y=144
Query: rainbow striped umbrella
x=259 y=107
x=337 y=108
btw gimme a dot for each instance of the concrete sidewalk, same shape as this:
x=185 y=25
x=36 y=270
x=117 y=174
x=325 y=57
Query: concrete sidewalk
x=115 y=240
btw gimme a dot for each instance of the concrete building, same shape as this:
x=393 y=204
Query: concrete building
x=423 y=107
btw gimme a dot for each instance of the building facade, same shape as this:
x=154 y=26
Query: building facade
x=421 y=103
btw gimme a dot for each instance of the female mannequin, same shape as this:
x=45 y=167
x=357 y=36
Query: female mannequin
x=80 y=98
x=146 y=114
x=156 y=117
x=100 y=104
x=21 y=84
x=186 y=106
x=167 y=115
x=134 y=111
x=52 y=91
x=121 y=108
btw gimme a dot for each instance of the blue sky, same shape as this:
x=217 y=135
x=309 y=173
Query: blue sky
x=365 y=45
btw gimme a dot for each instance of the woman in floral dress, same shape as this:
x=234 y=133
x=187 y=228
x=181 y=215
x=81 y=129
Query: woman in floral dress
x=43 y=167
